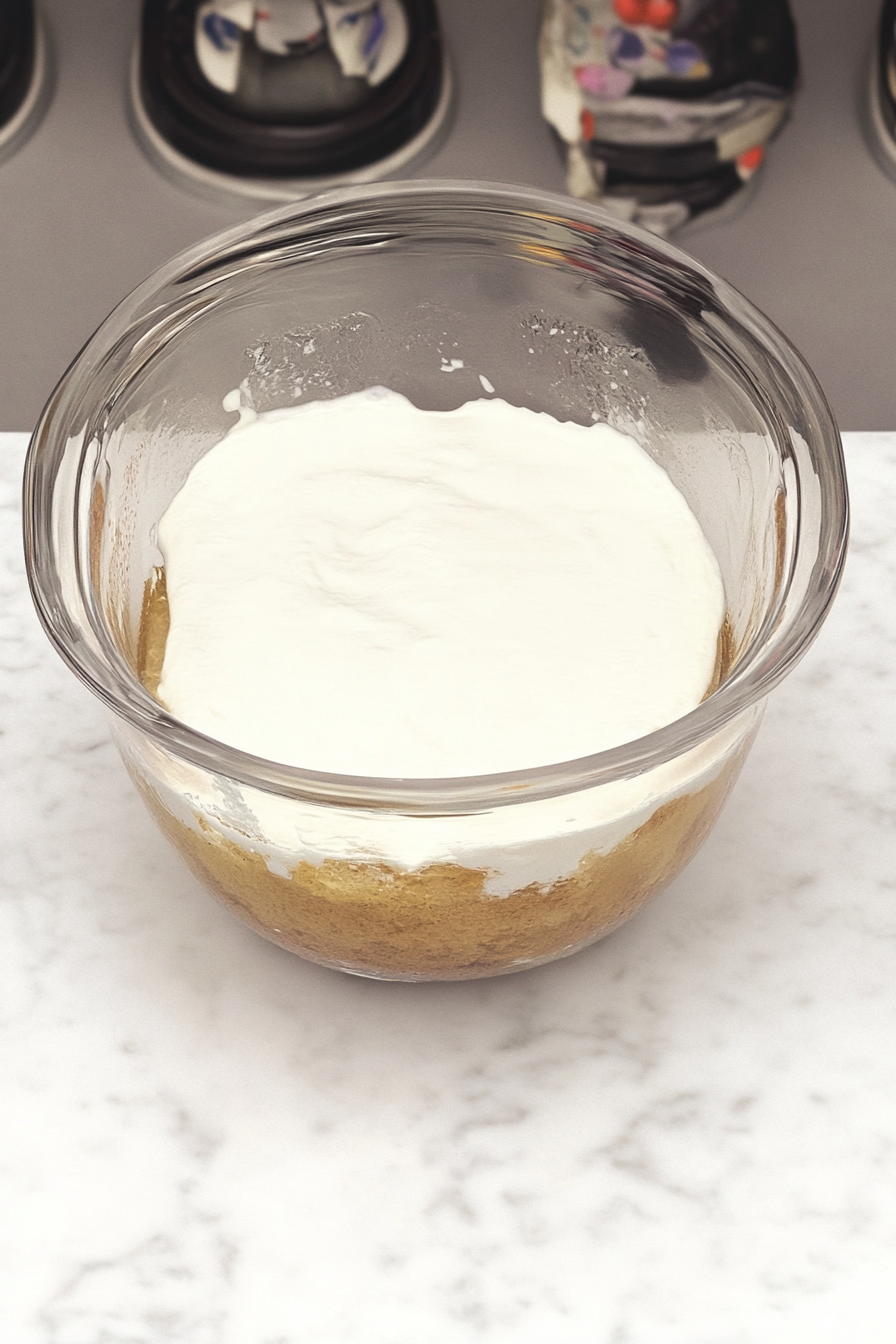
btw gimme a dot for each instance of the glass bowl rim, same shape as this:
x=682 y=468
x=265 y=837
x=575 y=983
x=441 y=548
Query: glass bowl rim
x=113 y=681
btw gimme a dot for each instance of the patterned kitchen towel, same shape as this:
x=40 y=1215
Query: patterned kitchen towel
x=664 y=107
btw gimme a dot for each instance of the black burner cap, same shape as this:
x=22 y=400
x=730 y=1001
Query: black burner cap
x=335 y=124
x=17 y=41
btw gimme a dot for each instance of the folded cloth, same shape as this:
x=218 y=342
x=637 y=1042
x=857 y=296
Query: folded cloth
x=664 y=107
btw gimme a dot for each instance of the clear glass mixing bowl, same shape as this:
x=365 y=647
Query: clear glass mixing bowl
x=423 y=287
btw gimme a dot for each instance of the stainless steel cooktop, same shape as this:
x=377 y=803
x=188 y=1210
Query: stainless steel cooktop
x=84 y=216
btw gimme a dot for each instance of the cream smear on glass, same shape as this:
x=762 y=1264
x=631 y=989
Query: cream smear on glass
x=362 y=587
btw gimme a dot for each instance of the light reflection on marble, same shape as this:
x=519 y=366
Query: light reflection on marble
x=684 y=1135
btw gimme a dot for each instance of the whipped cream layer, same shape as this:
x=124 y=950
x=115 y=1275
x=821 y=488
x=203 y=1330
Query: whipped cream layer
x=363 y=587
x=538 y=842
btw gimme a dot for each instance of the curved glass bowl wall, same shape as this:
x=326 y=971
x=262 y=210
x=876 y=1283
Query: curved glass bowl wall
x=431 y=288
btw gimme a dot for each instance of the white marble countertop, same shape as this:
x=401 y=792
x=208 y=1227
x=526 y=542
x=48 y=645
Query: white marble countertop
x=684 y=1135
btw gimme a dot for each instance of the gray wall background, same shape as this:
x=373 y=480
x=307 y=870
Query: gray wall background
x=84 y=216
